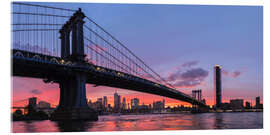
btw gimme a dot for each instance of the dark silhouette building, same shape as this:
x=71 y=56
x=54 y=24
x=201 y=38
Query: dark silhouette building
x=248 y=106
x=105 y=102
x=32 y=102
x=217 y=79
x=258 y=103
x=117 y=101
x=135 y=103
x=237 y=104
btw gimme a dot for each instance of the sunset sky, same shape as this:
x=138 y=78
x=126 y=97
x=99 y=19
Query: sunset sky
x=180 y=42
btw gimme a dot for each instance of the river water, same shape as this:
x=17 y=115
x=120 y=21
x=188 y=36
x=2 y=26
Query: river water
x=243 y=120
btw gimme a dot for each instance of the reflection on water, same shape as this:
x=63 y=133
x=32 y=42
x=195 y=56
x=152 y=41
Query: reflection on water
x=251 y=120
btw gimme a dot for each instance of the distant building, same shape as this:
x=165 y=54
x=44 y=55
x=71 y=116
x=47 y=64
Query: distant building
x=98 y=105
x=32 y=102
x=117 y=101
x=225 y=106
x=135 y=103
x=248 y=106
x=236 y=104
x=124 y=104
x=105 y=102
x=43 y=104
x=99 y=100
x=204 y=101
x=217 y=85
x=258 y=103
x=163 y=103
x=158 y=105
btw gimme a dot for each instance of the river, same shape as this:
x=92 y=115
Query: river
x=239 y=120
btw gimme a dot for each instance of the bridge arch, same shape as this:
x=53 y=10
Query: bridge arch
x=37 y=57
x=68 y=63
x=19 y=54
x=54 y=60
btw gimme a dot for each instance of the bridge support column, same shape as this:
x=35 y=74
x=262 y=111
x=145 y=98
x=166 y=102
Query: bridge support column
x=65 y=43
x=73 y=103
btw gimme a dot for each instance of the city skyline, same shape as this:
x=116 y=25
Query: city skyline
x=242 y=75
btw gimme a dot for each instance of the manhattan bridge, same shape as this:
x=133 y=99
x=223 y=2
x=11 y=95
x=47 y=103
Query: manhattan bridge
x=67 y=47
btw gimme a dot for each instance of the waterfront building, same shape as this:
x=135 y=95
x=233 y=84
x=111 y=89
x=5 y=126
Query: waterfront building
x=135 y=103
x=248 y=106
x=32 y=102
x=43 y=104
x=163 y=103
x=117 y=101
x=158 y=105
x=105 y=102
x=236 y=104
x=124 y=105
x=258 y=103
x=217 y=85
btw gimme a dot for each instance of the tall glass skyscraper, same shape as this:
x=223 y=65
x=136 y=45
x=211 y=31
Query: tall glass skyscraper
x=218 y=92
x=117 y=101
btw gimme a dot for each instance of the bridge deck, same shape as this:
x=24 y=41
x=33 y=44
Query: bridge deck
x=27 y=64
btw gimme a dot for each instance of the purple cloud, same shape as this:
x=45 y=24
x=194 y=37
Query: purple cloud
x=189 y=78
x=35 y=91
x=236 y=74
x=190 y=64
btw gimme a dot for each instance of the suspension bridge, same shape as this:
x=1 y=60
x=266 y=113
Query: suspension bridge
x=67 y=47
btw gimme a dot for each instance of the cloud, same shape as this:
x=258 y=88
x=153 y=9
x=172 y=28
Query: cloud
x=225 y=72
x=195 y=73
x=190 y=64
x=35 y=91
x=236 y=74
x=188 y=78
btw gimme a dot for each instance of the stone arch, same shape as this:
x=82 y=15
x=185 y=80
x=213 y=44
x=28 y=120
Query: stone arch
x=37 y=57
x=18 y=54
x=54 y=60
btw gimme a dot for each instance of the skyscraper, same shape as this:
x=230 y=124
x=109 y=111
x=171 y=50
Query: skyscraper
x=105 y=102
x=217 y=78
x=117 y=101
x=258 y=102
x=32 y=102
x=135 y=103
x=124 y=105
x=163 y=103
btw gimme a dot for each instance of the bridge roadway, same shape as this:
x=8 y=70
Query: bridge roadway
x=34 y=65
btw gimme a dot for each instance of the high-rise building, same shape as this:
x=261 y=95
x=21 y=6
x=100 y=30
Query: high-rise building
x=237 y=103
x=105 y=102
x=32 y=102
x=124 y=104
x=217 y=85
x=158 y=105
x=258 y=102
x=248 y=106
x=135 y=103
x=43 y=104
x=99 y=100
x=163 y=103
x=117 y=101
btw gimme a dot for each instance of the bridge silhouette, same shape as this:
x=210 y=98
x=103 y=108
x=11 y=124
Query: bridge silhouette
x=65 y=46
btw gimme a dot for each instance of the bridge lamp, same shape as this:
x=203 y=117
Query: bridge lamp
x=62 y=61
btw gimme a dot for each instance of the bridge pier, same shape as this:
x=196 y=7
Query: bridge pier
x=73 y=104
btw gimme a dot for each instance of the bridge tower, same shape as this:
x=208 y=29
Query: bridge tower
x=73 y=104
